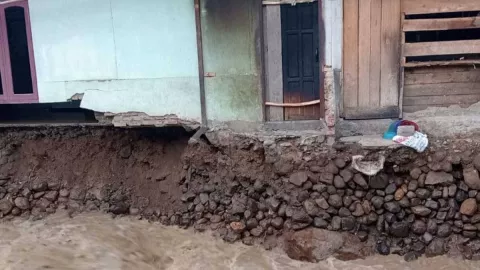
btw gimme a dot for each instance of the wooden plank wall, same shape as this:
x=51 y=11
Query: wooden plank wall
x=440 y=83
x=371 y=58
x=438 y=6
x=440 y=87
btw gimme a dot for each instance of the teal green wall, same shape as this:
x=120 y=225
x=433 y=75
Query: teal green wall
x=231 y=37
x=123 y=55
x=141 y=56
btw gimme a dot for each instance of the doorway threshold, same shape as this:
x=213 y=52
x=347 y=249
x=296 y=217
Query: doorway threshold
x=303 y=125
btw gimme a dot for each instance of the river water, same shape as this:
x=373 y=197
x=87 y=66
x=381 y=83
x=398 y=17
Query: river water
x=96 y=241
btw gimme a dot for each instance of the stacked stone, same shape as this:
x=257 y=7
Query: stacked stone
x=419 y=204
x=40 y=198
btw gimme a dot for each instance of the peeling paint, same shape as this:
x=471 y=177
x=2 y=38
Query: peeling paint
x=77 y=96
x=330 y=104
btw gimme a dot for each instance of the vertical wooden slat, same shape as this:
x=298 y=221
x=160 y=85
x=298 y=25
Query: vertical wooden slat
x=375 y=51
x=364 y=53
x=273 y=61
x=350 y=53
x=403 y=60
x=390 y=46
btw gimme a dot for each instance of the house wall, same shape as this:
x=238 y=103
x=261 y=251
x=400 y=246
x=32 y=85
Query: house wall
x=232 y=54
x=123 y=55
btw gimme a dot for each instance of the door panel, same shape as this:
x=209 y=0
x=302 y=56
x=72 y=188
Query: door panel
x=371 y=59
x=301 y=67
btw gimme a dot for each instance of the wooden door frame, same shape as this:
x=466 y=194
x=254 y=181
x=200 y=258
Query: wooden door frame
x=321 y=46
x=321 y=57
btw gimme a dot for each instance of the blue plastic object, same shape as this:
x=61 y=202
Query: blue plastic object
x=392 y=130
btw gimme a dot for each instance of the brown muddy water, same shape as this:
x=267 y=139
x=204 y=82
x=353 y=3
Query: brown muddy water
x=96 y=241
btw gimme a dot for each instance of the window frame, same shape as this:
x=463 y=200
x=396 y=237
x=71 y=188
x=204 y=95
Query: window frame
x=9 y=96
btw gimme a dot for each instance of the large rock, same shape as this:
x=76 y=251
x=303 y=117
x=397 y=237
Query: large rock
x=419 y=227
x=360 y=180
x=299 y=214
x=471 y=177
x=438 y=178
x=393 y=207
x=400 y=229
x=22 y=203
x=322 y=203
x=354 y=248
x=444 y=230
x=423 y=193
x=320 y=223
x=238 y=227
x=314 y=245
x=39 y=186
x=273 y=204
x=415 y=173
x=78 y=193
x=298 y=178
x=5 y=206
x=51 y=195
x=239 y=203
x=311 y=207
x=379 y=181
x=377 y=202
x=469 y=207
x=383 y=248
x=338 y=182
x=347 y=175
x=348 y=223
x=390 y=189
x=335 y=200
x=421 y=210
x=435 y=248
x=399 y=194
x=121 y=208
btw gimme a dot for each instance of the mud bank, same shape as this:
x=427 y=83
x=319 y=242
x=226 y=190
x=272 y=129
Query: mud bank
x=116 y=170
x=287 y=192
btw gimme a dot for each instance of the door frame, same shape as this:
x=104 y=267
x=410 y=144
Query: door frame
x=266 y=42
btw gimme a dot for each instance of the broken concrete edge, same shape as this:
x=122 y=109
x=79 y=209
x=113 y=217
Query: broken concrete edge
x=141 y=119
x=76 y=97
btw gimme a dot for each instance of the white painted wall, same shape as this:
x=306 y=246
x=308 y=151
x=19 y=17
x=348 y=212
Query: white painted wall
x=333 y=20
x=123 y=55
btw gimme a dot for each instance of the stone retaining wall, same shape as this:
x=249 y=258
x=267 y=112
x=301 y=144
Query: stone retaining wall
x=254 y=189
